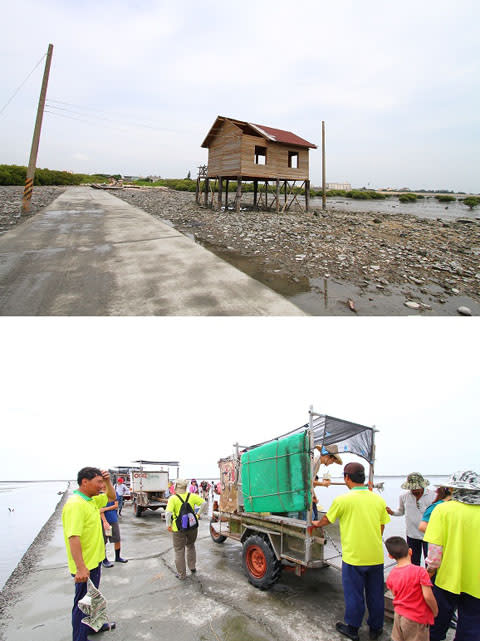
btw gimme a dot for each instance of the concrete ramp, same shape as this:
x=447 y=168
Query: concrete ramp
x=91 y=254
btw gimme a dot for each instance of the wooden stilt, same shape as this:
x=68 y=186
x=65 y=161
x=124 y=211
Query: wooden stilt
x=277 y=205
x=266 y=194
x=226 y=194
x=207 y=188
x=307 y=195
x=238 y=197
x=220 y=185
x=197 y=191
x=255 y=194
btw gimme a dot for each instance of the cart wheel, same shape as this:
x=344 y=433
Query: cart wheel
x=137 y=509
x=218 y=538
x=260 y=563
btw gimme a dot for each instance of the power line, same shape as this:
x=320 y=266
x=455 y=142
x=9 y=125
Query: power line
x=86 y=122
x=135 y=122
x=21 y=85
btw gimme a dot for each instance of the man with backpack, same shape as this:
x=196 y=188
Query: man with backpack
x=182 y=522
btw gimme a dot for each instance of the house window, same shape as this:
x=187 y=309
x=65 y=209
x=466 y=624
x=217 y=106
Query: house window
x=260 y=155
x=293 y=159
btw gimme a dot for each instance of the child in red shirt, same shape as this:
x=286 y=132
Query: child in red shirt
x=414 y=604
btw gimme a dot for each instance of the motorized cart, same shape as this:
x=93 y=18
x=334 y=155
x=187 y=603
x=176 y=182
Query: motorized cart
x=266 y=497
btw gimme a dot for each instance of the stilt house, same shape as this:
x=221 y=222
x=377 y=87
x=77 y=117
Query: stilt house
x=243 y=151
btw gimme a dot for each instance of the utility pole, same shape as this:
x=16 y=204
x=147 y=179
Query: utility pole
x=324 y=184
x=27 y=193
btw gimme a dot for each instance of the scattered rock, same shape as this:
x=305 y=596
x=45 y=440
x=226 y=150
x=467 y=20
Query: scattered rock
x=412 y=304
x=464 y=311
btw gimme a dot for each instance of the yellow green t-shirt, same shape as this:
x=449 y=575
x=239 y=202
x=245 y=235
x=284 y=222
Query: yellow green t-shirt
x=81 y=517
x=455 y=526
x=174 y=505
x=361 y=513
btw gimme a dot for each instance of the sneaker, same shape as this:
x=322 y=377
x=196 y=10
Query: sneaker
x=107 y=564
x=375 y=634
x=120 y=560
x=347 y=631
x=181 y=578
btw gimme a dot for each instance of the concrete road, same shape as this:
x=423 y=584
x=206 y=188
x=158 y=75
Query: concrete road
x=89 y=253
x=149 y=603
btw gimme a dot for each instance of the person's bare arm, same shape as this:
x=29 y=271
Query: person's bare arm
x=401 y=508
x=112 y=495
x=430 y=599
x=322 y=522
x=76 y=549
x=382 y=528
x=422 y=526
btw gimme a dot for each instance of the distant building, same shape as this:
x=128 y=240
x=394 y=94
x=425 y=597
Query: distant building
x=344 y=186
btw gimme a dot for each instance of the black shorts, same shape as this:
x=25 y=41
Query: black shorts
x=115 y=536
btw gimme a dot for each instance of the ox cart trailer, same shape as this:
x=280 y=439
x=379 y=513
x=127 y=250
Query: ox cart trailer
x=149 y=488
x=279 y=473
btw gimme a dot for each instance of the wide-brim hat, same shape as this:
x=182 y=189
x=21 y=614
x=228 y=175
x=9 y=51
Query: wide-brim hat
x=464 y=481
x=331 y=450
x=415 y=481
x=181 y=485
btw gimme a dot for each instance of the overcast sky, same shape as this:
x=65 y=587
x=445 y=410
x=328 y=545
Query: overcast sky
x=136 y=85
x=105 y=392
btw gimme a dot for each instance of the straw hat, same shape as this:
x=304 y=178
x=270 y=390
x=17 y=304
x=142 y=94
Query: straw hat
x=181 y=485
x=415 y=481
x=330 y=450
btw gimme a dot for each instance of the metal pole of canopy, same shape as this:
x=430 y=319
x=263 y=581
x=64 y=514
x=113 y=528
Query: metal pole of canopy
x=372 y=462
x=309 y=533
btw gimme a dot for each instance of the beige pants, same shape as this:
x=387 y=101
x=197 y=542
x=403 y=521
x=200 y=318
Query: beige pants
x=407 y=630
x=182 y=540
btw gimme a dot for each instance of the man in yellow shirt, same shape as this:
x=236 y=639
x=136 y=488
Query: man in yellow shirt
x=82 y=529
x=184 y=537
x=454 y=554
x=362 y=515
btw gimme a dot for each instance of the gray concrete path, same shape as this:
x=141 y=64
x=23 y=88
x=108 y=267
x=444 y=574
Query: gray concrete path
x=149 y=603
x=89 y=253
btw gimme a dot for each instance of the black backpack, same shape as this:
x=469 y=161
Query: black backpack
x=186 y=519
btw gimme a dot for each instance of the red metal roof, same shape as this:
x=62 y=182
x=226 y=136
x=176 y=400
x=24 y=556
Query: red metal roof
x=286 y=137
x=275 y=135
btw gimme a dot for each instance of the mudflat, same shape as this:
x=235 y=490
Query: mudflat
x=326 y=262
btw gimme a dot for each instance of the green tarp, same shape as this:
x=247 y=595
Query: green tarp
x=276 y=476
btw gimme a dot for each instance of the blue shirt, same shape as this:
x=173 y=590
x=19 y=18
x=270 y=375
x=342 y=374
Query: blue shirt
x=111 y=515
x=428 y=512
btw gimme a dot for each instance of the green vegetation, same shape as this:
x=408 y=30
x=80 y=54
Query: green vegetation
x=15 y=175
x=408 y=198
x=445 y=198
x=172 y=183
x=471 y=201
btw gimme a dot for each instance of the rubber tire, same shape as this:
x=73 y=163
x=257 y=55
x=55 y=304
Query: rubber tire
x=217 y=538
x=137 y=509
x=260 y=547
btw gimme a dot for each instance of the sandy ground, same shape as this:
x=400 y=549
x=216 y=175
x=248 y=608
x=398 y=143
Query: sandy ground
x=370 y=263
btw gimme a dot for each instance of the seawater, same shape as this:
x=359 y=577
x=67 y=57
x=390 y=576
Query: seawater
x=32 y=504
x=428 y=207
